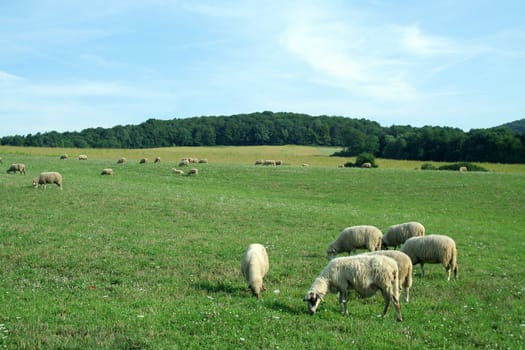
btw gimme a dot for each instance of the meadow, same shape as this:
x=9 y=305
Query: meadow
x=146 y=259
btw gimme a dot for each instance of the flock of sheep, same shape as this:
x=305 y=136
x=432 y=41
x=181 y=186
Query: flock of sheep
x=53 y=177
x=388 y=271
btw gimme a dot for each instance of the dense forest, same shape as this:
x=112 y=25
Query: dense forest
x=504 y=144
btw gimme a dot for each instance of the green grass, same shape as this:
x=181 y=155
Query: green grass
x=146 y=259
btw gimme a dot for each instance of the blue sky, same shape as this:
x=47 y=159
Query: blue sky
x=71 y=65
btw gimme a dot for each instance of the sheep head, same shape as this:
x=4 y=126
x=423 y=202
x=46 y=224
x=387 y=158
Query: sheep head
x=313 y=300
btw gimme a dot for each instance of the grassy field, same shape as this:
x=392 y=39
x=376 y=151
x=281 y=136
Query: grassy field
x=147 y=259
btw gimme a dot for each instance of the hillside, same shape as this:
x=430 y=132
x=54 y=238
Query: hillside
x=518 y=126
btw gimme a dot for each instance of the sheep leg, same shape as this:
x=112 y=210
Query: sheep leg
x=343 y=302
x=422 y=270
x=386 y=296
x=407 y=297
x=397 y=306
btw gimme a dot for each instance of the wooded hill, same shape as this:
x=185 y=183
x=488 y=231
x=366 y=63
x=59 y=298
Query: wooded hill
x=500 y=144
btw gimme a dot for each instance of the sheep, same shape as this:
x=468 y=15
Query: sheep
x=433 y=249
x=279 y=162
x=363 y=236
x=259 y=162
x=122 y=160
x=269 y=162
x=184 y=162
x=404 y=265
x=306 y=164
x=143 y=161
x=193 y=171
x=363 y=273
x=48 y=178
x=107 y=171
x=203 y=161
x=82 y=157
x=17 y=167
x=64 y=156
x=397 y=234
x=254 y=266
x=177 y=171
x=463 y=169
x=366 y=165
x=157 y=160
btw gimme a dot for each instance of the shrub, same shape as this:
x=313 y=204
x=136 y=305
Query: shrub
x=428 y=166
x=456 y=166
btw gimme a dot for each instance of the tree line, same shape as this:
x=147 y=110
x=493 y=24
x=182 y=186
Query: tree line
x=354 y=136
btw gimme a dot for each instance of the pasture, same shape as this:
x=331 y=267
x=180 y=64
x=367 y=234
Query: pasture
x=147 y=259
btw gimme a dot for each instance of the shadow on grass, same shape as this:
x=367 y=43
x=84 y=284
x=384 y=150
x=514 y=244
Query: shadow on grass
x=221 y=287
x=278 y=305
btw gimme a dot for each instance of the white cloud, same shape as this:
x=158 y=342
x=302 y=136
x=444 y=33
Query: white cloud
x=5 y=77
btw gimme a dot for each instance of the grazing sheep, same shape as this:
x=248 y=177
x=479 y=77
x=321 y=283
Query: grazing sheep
x=48 y=178
x=82 y=157
x=279 y=162
x=122 y=160
x=404 y=265
x=107 y=171
x=366 y=274
x=363 y=237
x=203 y=161
x=157 y=160
x=259 y=162
x=397 y=234
x=177 y=171
x=366 y=165
x=17 y=167
x=254 y=266
x=143 y=161
x=306 y=164
x=269 y=162
x=433 y=249
x=463 y=169
x=64 y=156
x=184 y=162
x=193 y=171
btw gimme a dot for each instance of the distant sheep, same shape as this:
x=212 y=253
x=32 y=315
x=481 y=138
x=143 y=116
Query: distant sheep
x=269 y=162
x=203 y=161
x=184 y=162
x=397 y=234
x=279 y=162
x=404 y=265
x=259 y=162
x=48 y=178
x=363 y=237
x=254 y=266
x=433 y=249
x=177 y=171
x=366 y=165
x=64 y=156
x=143 y=161
x=157 y=160
x=122 y=160
x=306 y=164
x=463 y=169
x=17 y=167
x=107 y=171
x=193 y=171
x=366 y=274
x=82 y=157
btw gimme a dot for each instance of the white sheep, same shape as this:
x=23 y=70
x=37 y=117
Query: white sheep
x=397 y=234
x=184 y=162
x=259 y=162
x=269 y=162
x=157 y=160
x=362 y=236
x=107 y=171
x=48 y=178
x=254 y=266
x=143 y=161
x=433 y=249
x=366 y=274
x=463 y=169
x=177 y=171
x=366 y=165
x=121 y=160
x=17 y=167
x=203 y=161
x=82 y=157
x=193 y=171
x=404 y=265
